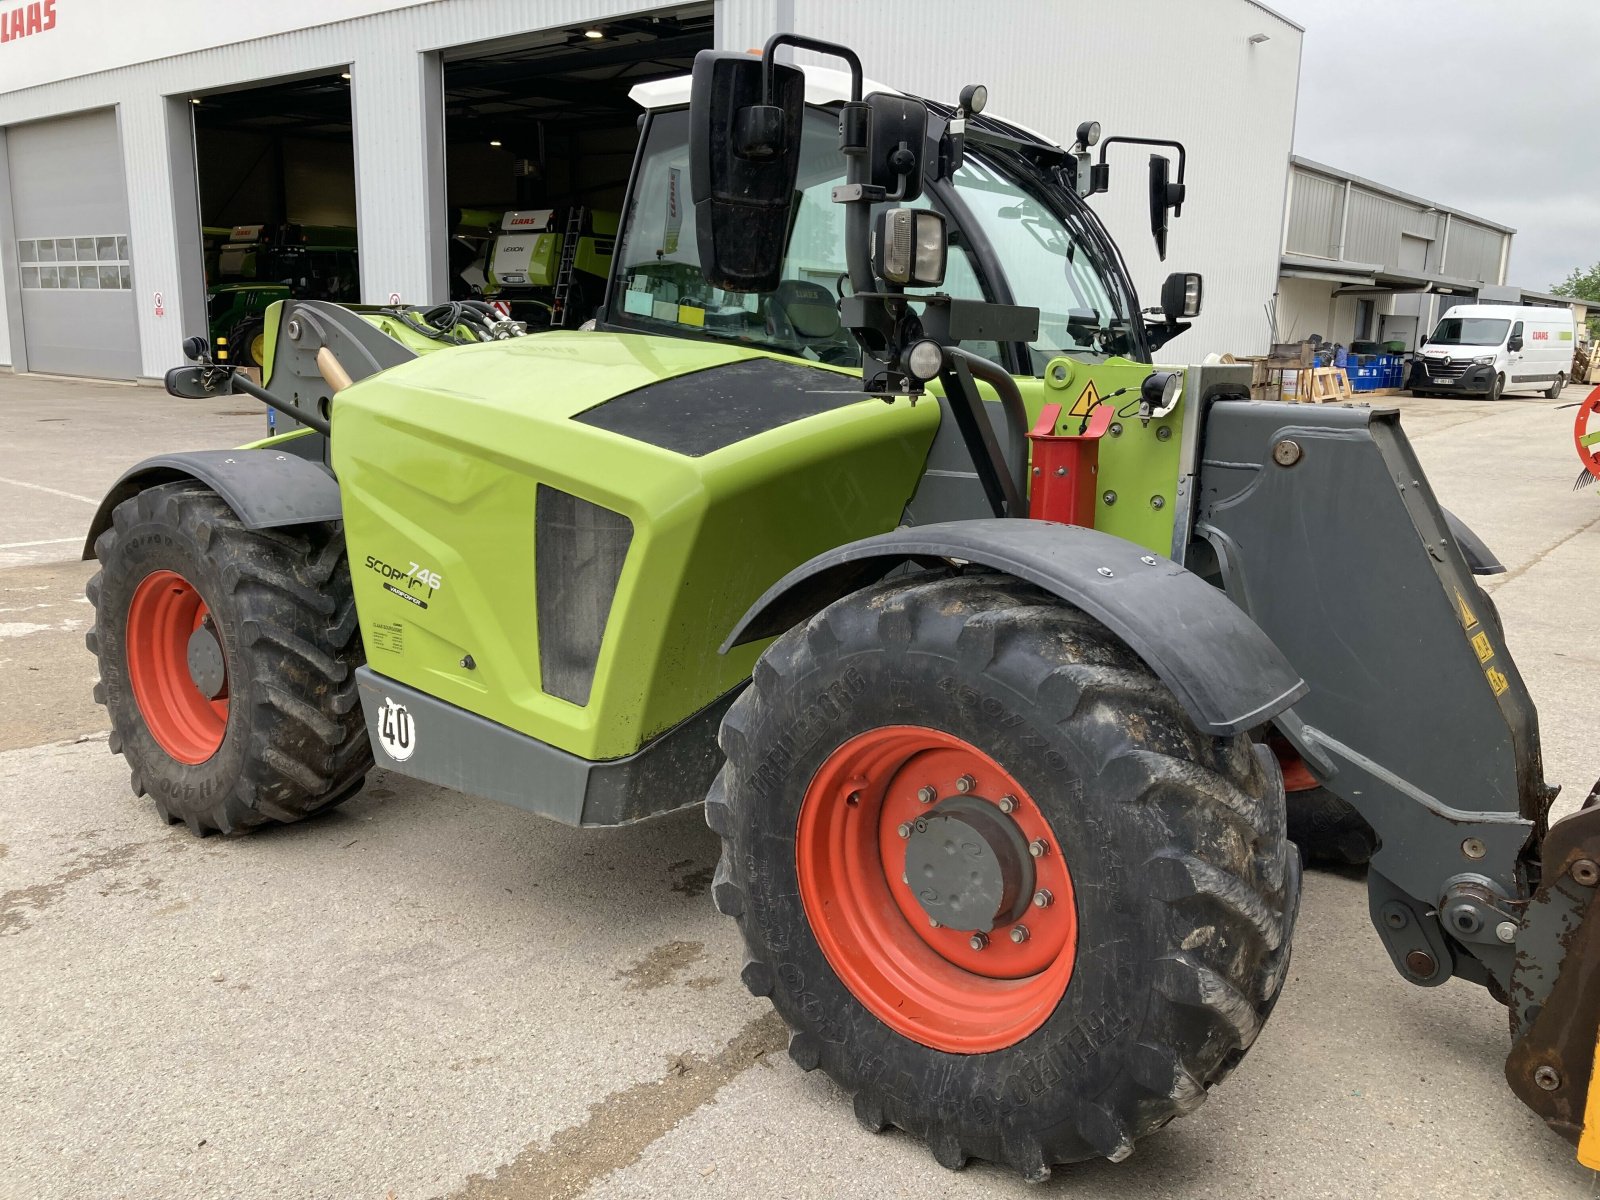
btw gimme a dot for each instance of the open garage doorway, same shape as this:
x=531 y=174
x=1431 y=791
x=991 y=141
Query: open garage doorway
x=539 y=141
x=276 y=167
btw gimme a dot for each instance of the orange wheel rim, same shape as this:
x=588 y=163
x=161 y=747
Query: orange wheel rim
x=925 y=980
x=164 y=614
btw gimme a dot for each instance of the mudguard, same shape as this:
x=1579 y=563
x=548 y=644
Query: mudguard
x=267 y=489
x=1226 y=673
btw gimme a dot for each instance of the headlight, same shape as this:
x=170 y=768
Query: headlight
x=908 y=247
x=1483 y=360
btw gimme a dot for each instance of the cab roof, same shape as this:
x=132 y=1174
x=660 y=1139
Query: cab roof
x=824 y=85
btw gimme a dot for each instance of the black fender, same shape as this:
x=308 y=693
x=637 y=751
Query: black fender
x=1480 y=559
x=1224 y=670
x=266 y=489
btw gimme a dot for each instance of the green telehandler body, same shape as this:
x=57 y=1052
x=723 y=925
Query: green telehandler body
x=862 y=515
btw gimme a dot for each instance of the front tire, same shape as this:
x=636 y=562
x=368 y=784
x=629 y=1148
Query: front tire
x=1142 y=979
x=1497 y=388
x=227 y=662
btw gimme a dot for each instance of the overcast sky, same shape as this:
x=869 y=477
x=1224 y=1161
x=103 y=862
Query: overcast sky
x=1483 y=105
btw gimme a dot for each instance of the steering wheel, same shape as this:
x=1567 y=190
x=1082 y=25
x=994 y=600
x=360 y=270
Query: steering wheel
x=1587 y=443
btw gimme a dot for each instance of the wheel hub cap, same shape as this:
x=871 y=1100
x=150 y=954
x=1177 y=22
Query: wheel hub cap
x=206 y=667
x=967 y=865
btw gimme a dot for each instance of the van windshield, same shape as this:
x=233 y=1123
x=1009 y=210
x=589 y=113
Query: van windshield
x=1469 y=331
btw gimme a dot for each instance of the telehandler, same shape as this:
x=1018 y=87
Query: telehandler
x=861 y=516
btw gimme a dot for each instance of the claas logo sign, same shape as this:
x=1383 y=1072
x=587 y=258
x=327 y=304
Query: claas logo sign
x=20 y=20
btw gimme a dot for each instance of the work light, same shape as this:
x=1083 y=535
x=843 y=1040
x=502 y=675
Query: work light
x=908 y=247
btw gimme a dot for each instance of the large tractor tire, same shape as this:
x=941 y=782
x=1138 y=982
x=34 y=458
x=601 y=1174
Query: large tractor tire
x=247 y=344
x=995 y=881
x=1328 y=829
x=227 y=662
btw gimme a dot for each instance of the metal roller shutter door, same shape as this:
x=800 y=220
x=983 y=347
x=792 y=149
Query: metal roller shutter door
x=69 y=201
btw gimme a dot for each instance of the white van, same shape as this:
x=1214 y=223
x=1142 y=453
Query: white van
x=1488 y=349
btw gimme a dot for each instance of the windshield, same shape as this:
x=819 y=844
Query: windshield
x=1469 y=331
x=659 y=287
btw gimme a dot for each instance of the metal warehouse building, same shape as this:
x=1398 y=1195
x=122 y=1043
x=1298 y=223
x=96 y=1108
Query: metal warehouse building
x=129 y=132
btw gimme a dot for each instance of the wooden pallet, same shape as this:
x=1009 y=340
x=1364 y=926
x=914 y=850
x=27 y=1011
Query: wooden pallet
x=1324 y=385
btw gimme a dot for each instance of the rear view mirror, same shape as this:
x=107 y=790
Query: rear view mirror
x=1164 y=195
x=897 y=127
x=1181 y=295
x=199 y=383
x=1514 y=344
x=744 y=157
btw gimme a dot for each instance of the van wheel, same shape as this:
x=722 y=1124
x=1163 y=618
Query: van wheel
x=1555 y=387
x=1496 y=389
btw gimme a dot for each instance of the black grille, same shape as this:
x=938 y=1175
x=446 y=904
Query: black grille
x=1437 y=369
x=579 y=549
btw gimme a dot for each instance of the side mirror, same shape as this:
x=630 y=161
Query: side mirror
x=745 y=119
x=1180 y=296
x=1164 y=195
x=195 y=348
x=198 y=383
x=1514 y=344
x=897 y=128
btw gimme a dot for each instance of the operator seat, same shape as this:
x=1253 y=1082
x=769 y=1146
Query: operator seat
x=804 y=311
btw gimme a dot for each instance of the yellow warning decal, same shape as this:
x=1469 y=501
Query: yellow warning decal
x=1480 y=643
x=1497 y=680
x=1087 y=399
x=1464 y=611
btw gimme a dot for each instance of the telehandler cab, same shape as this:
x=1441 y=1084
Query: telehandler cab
x=861 y=516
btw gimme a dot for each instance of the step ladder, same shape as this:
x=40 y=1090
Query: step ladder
x=569 y=254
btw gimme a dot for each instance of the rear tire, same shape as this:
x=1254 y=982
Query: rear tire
x=247 y=343
x=1328 y=830
x=285 y=736
x=1184 y=888
x=1554 y=391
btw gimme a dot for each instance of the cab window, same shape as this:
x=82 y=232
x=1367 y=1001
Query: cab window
x=659 y=287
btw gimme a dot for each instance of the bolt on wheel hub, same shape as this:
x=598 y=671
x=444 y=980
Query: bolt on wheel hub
x=968 y=866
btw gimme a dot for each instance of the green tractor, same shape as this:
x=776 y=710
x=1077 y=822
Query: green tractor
x=260 y=265
x=863 y=518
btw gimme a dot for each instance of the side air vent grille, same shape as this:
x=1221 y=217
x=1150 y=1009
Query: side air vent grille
x=579 y=549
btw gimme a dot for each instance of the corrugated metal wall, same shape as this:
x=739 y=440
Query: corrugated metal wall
x=1141 y=66
x=1381 y=230
x=1144 y=67
x=1373 y=234
x=1475 y=252
x=1316 y=209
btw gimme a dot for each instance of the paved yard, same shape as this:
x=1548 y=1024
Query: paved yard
x=425 y=995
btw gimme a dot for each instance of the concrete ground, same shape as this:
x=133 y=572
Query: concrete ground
x=425 y=995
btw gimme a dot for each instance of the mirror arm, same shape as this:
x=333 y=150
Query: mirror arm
x=1183 y=158
x=804 y=43
x=311 y=419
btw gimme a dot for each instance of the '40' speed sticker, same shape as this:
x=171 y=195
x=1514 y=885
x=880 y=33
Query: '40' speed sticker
x=397 y=733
